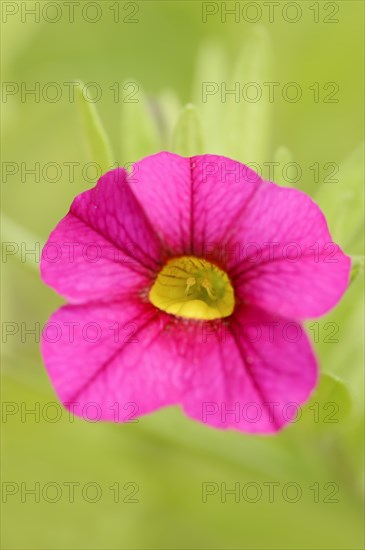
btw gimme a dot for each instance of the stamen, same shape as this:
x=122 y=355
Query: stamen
x=191 y=281
x=208 y=287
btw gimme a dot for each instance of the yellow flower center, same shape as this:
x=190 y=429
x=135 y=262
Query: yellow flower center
x=193 y=288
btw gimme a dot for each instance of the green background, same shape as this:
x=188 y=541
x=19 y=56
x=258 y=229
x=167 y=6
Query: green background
x=170 y=52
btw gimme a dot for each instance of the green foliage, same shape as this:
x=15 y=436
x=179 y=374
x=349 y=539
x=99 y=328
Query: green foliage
x=357 y=267
x=343 y=202
x=329 y=405
x=248 y=123
x=95 y=135
x=140 y=134
x=188 y=135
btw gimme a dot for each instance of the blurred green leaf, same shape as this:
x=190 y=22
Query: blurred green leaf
x=14 y=237
x=345 y=356
x=170 y=107
x=332 y=389
x=210 y=72
x=95 y=135
x=357 y=267
x=248 y=122
x=188 y=136
x=330 y=403
x=140 y=134
x=343 y=202
x=282 y=156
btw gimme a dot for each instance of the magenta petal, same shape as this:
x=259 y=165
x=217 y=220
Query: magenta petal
x=288 y=263
x=162 y=183
x=218 y=208
x=193 y=202
x=111 y=355
x=254 y=375
x=127 y=356
x=105 y=245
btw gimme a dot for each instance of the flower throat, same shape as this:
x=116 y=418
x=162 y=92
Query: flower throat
x=193 y=288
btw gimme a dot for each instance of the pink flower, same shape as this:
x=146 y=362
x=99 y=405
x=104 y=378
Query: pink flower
x=187 y=282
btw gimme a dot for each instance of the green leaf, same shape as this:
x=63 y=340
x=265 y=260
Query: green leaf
x=282 y=156
x=96 y=137
x=188 y=136
x=140 y=135
x=330 y=404
x=345 y=355
x=333 y=389
x=14 y=236
x=170 y=107
x=357 y=267
x=343 y=202
x=248 y=122
x=210 y=73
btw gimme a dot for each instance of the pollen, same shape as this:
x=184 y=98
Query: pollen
x=193 y=288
